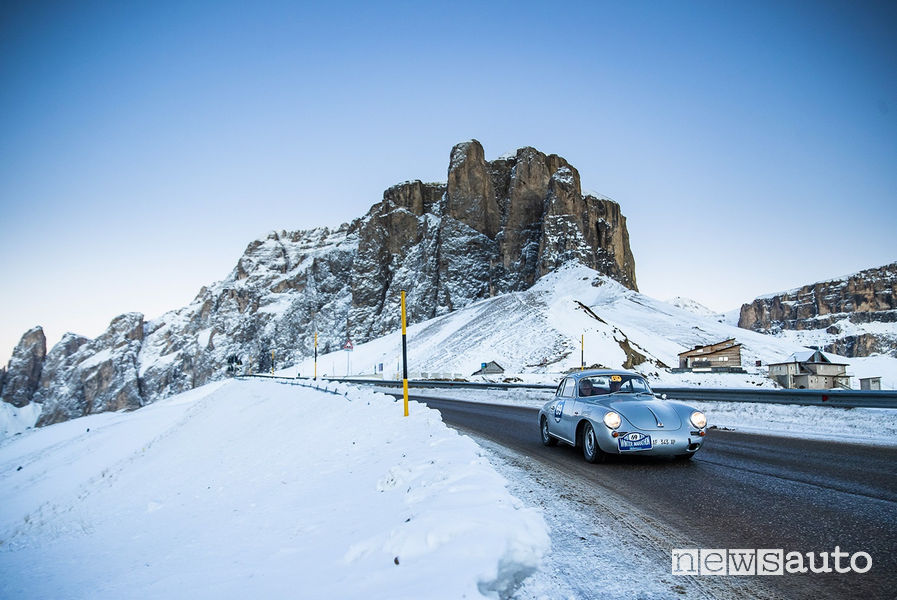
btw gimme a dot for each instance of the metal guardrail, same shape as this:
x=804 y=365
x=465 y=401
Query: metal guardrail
x=297 y=381
x=837 y=398
x=438 y=383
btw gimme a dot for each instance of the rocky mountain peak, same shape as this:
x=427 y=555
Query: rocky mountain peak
x=493 y=227
x=470 y=196
x=414 y=196
x=24 y=368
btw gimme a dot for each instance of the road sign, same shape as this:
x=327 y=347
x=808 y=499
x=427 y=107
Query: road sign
x=348 y=347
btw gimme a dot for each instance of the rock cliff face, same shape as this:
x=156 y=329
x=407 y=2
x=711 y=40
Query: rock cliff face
x=494 y=227
x=24 y=368
x=82 y=376
x=851 y=316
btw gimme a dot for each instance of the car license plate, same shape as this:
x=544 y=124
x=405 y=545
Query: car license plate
x=634 y=441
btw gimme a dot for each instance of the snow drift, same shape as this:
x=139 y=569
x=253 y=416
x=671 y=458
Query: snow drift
x=258 y=489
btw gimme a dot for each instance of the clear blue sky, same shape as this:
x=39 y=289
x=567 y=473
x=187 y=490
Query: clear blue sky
x=143 y=145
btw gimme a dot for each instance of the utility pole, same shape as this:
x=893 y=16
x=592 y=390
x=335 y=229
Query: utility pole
x=404 y=357
x=348 y=347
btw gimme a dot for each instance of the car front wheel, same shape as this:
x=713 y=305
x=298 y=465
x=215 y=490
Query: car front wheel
x=546 y=437
x=590 y=450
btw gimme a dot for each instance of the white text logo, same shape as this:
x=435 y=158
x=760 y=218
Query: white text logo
x=704 y=561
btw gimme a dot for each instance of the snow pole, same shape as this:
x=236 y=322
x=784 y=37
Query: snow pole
x=404 y=357
x=272 y=361
x=316 y=356
x=582 y=353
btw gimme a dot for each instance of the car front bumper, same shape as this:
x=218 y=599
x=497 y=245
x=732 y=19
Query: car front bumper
x=661 y=443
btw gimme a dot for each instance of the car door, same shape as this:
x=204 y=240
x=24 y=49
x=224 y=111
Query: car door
x=578 y=407
x=563 y=410
x=586 y=406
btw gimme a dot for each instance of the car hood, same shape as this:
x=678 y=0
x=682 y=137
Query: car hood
x=645 y=414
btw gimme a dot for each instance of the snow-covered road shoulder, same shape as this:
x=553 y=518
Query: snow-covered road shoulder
x=259 y=489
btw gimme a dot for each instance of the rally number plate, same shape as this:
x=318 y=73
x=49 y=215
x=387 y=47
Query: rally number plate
x=635 y=441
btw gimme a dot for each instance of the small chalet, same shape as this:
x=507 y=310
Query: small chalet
x=722 y=357
x=870 y=383
x=490 y=368
x=810 y=370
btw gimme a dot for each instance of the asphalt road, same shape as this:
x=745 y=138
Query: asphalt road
x=740 y=491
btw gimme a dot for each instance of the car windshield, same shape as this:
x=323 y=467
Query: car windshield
x=600 y=385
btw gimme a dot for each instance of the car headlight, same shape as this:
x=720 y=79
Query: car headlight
x=698 y=419
x=612 y=420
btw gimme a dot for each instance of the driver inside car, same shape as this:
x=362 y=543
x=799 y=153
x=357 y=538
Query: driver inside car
x=585 y=388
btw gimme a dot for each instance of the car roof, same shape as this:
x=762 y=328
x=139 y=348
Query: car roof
x=577 y=375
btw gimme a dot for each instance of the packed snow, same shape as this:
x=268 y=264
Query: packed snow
x=258 y=489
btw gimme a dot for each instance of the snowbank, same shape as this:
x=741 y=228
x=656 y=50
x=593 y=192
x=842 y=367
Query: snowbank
x=259 y=489
x=857 y=425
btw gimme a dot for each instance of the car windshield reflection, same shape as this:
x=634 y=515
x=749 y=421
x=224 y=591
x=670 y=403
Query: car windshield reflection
x=602 y=385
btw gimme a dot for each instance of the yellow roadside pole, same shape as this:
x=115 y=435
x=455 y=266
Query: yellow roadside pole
x=316 y=356
x=404 y=357
x=272 y=362
x=250 y=366
x=582 y=353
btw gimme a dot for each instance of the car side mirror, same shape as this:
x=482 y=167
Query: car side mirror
x=661 y=396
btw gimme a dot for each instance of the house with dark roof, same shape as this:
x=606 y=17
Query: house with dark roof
x=721 y=357
x=490 y=368
x=810 y=370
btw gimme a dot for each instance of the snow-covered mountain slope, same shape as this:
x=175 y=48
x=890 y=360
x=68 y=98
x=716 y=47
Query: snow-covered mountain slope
x=536 y=335
x=693 y=306
x=254 y=489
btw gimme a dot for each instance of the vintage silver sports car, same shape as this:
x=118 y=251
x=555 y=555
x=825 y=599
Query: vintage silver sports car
x=615 y=412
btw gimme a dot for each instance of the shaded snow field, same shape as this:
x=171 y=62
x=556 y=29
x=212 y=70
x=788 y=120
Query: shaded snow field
x=15 y=420
x=258 y=489
x=858 y=425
